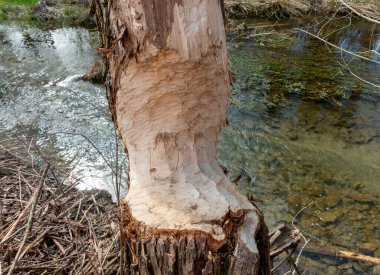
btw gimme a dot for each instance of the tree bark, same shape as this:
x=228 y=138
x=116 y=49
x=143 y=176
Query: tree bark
x=168 y=86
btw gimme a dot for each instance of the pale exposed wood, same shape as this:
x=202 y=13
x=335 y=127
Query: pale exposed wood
x=170 y=107
x=169 y=88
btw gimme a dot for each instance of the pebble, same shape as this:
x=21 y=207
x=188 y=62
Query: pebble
x=376 y=270
x=358 y=267
x=344 y=240
x=355 y=216
x=360 y=197
x=331 y=261
x=248 y=123
x=356 y=185
x=315 y=189
x=363 y=207
x=293 y=136
x=332 y=270
x=330 y=201
x=370 y=247
x=345 y=266
x=330 y=216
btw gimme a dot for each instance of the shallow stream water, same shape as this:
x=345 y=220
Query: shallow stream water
x=45 y=104
x=303 y=131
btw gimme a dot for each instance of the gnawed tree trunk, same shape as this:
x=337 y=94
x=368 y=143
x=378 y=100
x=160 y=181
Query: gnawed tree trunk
x=169 y=88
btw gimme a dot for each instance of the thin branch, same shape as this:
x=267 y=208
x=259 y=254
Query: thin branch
x=325 y=24
x=358 y=13
x=358 y=77
x=306 y=240
x=338 y=30
x=337 y=47
x=92 y=144
x=117 y=183
x=30 y=221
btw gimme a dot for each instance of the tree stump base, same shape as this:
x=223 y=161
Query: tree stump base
x=154 y=251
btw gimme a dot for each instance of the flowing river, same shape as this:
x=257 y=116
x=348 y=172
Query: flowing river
x=304 y=132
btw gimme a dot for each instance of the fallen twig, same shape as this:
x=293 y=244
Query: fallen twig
x=337 y=47
x=359 y=13
x=68 y=225
x=342 y=254
x=30 y=221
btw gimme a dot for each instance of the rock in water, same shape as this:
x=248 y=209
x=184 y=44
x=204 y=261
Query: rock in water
x=71 y=79
x=95 y=73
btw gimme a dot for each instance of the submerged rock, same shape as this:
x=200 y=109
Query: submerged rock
x=332 y=270
x=369 y=247
x=316 y=189
x=332 y=200
x=356 y=185
x=292 y=136
x=376 y=270
x=360 y=197
x=345 y=266
x=330 y=216
x=377 y=253
x=358 y=267
x=95 y=73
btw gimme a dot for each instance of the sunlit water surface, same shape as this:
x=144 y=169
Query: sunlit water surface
x=45 y=103
x=303 y=131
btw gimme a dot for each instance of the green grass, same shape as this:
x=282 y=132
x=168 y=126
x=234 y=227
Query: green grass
x=11 y=9
x=71 y=14
x=19 y=2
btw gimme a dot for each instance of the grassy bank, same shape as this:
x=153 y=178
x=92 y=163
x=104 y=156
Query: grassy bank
x=52 y=13
x=298 y=8
x=75 y=12
x=15 y=9
x=20 y=2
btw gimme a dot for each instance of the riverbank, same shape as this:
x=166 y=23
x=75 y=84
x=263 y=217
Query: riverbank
x=47 y=13
x=77 y=12
x=298 y=8
x=48 y=226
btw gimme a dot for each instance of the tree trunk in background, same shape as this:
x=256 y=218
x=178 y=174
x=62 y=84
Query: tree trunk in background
x=168 y=87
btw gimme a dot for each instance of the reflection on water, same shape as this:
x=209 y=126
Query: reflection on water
x=302 y=129
x=44 y=100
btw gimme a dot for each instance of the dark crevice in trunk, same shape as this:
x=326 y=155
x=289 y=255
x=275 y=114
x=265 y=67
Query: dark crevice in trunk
x=263 y=245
